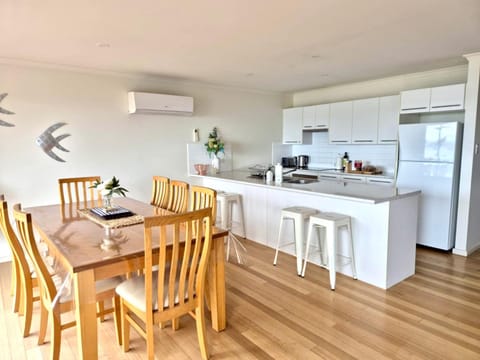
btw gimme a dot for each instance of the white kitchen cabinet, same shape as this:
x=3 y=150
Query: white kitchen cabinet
x=293 y=125
x=365 y=121
x=309 y=117
x=446 y=98
x=440 y=98
x=415 y=101
x=340 y=126
x=388 y=119
x=316 y=117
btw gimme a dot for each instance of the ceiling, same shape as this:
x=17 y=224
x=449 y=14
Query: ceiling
x=272 y=45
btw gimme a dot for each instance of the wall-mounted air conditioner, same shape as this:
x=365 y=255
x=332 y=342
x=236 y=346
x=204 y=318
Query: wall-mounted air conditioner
x=141 y=102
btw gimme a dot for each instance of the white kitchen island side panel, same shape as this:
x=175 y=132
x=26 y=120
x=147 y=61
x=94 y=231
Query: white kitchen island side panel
x=254 y=207
x=384 y=234
x=369 y=232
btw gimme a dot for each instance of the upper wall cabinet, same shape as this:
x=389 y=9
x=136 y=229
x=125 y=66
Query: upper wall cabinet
x=293 y=125
x=388 y=119
x=415 y=101
x=316 y=117
x=442 y=98
x=340 y=127
x=365 y=121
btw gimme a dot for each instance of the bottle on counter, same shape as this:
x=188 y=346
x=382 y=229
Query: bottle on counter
x=345 y=161
x=278 y=173
x=269 y=176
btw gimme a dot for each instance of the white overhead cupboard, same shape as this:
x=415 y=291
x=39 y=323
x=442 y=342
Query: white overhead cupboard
x=440 y=98
x=341 y=117
x=316 y=117
x=388 y=119
x=293 y=125
x=364 y=121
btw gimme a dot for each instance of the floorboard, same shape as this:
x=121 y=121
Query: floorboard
x=274 y=314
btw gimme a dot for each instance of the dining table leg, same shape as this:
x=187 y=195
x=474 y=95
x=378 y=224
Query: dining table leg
x=85 y=314
x=216 y=285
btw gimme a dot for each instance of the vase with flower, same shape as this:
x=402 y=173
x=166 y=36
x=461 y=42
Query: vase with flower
x=215 y=149
x=108 y=189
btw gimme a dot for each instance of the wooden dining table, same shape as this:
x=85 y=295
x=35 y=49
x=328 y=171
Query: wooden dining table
x=90 y=252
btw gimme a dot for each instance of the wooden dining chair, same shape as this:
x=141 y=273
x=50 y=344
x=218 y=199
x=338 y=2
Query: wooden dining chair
x=178 y=196
x=24 y=280
x=201 y=198
x=177 y=288
x=53 y=301
x=77 y=190
x=160 y=190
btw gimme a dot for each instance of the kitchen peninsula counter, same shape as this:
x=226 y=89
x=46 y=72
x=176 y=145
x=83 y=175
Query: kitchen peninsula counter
x=384 y=221
x=368 y=193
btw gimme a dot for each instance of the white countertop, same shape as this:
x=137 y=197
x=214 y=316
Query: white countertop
x=339 y=189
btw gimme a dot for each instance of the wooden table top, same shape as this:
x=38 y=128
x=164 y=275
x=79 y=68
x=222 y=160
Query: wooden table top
x=79 y=241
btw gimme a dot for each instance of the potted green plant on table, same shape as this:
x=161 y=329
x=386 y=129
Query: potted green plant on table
x=108 y=189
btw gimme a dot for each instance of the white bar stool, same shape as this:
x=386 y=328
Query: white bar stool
x=331 y=222
x=227 y=200
x=298 y=214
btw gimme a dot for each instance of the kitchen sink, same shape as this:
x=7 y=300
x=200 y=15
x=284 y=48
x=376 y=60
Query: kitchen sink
x=299 y=181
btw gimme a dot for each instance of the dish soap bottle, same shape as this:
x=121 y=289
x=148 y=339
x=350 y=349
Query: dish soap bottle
x=269 y=176
x=278 y=173
x=345 y=161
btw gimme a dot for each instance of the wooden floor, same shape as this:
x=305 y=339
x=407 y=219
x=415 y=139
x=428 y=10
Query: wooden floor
x=274 y=314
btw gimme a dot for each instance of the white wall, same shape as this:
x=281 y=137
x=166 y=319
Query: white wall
x=106 y=141
x=468 y=227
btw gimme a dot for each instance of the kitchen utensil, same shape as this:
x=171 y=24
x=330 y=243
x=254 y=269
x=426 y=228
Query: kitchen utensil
x=303 y=161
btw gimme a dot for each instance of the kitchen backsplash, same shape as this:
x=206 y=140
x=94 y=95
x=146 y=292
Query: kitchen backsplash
x=322 y=154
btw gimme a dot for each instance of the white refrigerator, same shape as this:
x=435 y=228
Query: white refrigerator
x=429 y=160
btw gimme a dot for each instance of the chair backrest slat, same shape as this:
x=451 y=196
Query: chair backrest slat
x=77 y=190
x=178 y=196
x=203 y=197
x=160 y=190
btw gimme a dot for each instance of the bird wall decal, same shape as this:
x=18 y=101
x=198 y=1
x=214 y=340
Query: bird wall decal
x=5 y=111
x=48 y=142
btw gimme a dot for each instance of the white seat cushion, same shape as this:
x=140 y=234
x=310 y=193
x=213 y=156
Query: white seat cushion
x=64 y=286
x=133 y=291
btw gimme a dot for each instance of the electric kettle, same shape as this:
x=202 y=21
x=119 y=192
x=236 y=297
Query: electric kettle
x=303 y=161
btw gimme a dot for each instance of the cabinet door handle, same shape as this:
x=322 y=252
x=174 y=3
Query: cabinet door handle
x=320 y=126
x=386 y=140
x=446 y=106
x=292 y=142
x=363 y=141
x=380 y=181
x=339 y=141
x=415 y=108
x=307 y=126
x=352 y=178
